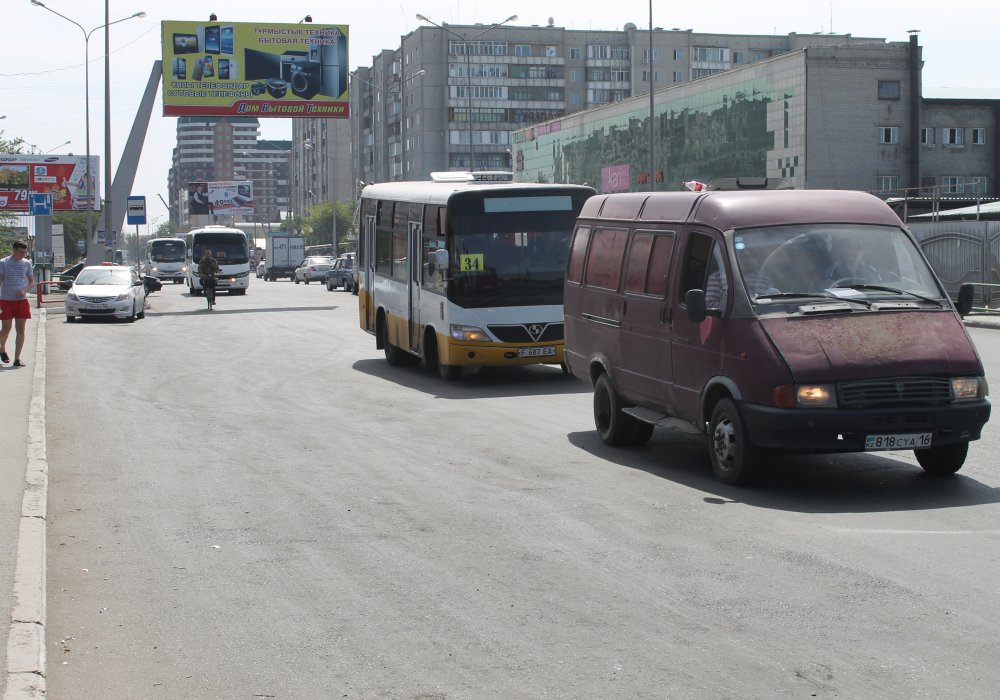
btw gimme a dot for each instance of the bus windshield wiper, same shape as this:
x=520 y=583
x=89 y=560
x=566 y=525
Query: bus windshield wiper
x=893 y=290
x=812 y=295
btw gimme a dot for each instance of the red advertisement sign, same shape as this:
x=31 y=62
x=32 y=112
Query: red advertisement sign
x=64 y=177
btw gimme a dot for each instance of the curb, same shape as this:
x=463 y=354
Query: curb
x=26 y=642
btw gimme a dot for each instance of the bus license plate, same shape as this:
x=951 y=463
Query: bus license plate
x=547 y=351
x=910 y=441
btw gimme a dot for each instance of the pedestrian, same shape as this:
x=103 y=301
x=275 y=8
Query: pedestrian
x=16 y=281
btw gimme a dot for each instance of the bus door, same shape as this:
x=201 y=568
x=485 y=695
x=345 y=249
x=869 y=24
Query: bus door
x=368 y=286
x=415 y=243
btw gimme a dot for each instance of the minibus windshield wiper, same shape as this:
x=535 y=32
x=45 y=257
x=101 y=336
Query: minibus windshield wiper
x=811 y=295
x=893 y=290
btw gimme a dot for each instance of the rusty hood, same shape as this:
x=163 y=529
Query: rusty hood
x=867 y=345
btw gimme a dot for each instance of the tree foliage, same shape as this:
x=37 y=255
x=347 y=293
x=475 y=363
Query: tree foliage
x=318 y=226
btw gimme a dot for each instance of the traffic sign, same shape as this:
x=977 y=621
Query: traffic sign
x=41 y=203
x=136 y=212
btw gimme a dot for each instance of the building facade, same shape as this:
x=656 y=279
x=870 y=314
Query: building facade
x=228 y=148
x=840 y=117
x=450 y=96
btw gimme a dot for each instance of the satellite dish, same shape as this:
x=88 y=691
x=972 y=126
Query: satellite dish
x=552 y=22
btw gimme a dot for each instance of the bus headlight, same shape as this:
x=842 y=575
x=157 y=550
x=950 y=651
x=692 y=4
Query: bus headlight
x=468 y=333
x=966 y=388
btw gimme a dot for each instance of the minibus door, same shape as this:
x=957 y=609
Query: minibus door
x=368 y=286
x=415 y=242
x=697 y=347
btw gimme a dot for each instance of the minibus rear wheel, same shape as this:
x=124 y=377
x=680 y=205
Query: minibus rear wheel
x=614 y=426
x=942 y=460
x=734 y=459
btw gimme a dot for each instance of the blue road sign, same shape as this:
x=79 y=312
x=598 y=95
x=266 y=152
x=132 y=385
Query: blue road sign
x=40 y=203
x=136 y=212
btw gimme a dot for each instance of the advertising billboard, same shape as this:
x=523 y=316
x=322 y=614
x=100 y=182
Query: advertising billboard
x=62 y=177
x=225 y=198
x=254 y=70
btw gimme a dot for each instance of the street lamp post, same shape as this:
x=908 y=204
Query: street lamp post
x=333 y=193
x=468 y=70
x=88 y=177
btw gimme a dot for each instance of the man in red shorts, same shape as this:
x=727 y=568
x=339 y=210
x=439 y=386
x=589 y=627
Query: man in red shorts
x=16 y=281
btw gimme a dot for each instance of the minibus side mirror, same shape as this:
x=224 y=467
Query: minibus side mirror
x=966 y=297
x=695 y=302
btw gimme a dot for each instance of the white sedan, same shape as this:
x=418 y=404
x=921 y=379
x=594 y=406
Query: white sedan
x=106 y=291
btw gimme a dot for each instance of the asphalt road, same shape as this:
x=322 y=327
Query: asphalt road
x=250 y=503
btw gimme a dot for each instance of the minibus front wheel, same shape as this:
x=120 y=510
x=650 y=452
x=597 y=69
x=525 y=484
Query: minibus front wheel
x=942 y=460
x=734 y=459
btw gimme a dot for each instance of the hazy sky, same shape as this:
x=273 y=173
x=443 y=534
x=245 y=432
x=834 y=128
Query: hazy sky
x=42 y=70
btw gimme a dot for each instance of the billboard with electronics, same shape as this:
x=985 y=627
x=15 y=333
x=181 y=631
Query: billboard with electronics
x=228 y=197
x=62 y=177
x=254 y=70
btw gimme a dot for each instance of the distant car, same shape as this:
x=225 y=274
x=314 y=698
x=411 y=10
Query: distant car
x=67 y=276
x=260 y=269
x=341 y=274
x=107 y=291
x=312 y=269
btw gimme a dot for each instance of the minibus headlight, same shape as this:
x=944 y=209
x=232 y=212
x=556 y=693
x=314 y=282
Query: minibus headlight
x=966 y=388
x=805 y=396
x=467 y=333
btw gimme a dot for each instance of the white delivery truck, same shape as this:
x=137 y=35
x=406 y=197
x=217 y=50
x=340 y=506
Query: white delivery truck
x=282 y=254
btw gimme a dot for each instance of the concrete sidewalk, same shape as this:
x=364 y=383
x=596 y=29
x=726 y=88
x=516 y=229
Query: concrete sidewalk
x=23 y=496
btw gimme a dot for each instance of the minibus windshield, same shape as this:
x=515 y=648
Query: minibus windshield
x=835 y=260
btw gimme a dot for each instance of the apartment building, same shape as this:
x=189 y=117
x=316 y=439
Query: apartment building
x=449 y=97
x=229 y=148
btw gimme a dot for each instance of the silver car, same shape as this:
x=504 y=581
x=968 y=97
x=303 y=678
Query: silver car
x=313 y=269
x=106 y=291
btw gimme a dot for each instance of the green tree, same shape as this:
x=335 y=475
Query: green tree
x=318 y=226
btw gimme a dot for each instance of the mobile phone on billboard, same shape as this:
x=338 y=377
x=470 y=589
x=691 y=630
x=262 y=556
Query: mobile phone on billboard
x=223 y=69
x=212 y=39
x=227 y=40
x=180 y=69
x=208 y=67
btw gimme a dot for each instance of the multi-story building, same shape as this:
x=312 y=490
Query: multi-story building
x=320 y=163
x=840 y=117
x=229 y=148
x=449 y=96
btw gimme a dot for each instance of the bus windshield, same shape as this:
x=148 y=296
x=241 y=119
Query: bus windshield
x=509 y=250
x=227 y=248
x=167 y=250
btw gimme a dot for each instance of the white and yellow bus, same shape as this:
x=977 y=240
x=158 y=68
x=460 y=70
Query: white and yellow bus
x=464 y=272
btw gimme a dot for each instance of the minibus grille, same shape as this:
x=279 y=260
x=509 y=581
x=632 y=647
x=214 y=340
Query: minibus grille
x=895 y=392
x=528 y=333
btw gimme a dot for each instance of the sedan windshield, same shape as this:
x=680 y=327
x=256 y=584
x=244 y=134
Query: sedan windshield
x=839 y=261
x=113 y=277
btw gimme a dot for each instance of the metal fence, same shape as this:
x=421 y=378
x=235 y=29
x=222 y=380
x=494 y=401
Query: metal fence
x=964 y=251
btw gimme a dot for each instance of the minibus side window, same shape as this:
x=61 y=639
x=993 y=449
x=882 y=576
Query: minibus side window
x=649 y=263
x=704 y=269
x=578 y=254
x=607 y=252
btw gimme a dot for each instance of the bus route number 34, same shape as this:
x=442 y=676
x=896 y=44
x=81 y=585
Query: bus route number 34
x=471 y=263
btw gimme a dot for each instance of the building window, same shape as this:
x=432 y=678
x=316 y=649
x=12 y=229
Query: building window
x=522 y=50
x=621 y=74
x=646 y=74
x=678 y=54
x=710 y=54
x=645 y=55
x=574 y=76
x=927 y=136
x=887 y=183
x=888 y=134
x=678 y=77
x=739 y=57
x=574 y=98
x=576 y=54
x=977 y=185
x=951 y=184
x=550 y=52
x=953 y=137
x=979 y=137
x=888 y=89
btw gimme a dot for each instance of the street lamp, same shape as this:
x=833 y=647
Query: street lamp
x=468 y=70
x=333 y=192
x=89 y=181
